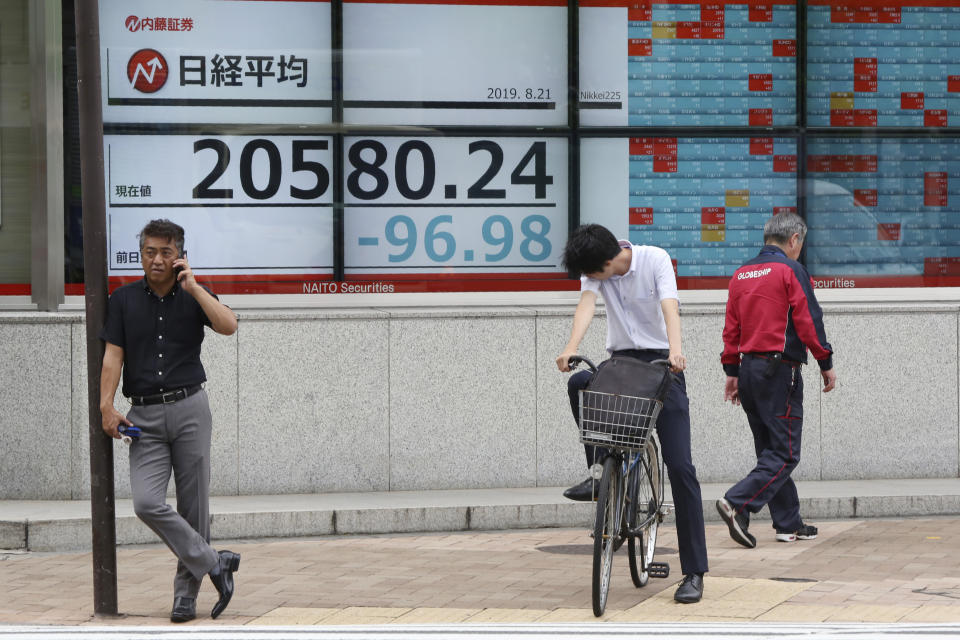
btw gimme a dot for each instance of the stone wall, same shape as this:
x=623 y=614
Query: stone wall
x=445 y=398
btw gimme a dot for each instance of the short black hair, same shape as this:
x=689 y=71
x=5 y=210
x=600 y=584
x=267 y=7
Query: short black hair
x=589 y=249
x=163 y=228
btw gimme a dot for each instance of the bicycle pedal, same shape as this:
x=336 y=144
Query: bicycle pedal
x=666 y=509
x=658 y=569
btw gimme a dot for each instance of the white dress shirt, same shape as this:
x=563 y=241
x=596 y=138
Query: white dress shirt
x=634 y=316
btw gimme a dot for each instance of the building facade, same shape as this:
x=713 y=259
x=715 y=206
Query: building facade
x=383 y=189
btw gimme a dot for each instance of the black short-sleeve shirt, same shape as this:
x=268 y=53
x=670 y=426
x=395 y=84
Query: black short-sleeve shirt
x=160 y=338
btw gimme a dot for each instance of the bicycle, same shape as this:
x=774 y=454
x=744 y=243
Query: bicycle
x=629 y=498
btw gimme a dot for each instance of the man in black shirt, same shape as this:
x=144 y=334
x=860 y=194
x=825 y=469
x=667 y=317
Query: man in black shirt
x=153 y=333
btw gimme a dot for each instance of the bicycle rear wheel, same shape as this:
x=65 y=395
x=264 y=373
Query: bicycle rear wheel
x=646 y=519
x=605 y=532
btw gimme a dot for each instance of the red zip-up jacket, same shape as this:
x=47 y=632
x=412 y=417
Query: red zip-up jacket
x=771 y=307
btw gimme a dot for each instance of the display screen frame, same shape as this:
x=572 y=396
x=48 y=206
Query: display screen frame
x=573 y=131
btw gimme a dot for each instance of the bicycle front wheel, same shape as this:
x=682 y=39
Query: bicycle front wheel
x=648 y=498
x=605 y=532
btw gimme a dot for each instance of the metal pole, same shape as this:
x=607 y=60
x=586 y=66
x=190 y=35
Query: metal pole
x=102 y=506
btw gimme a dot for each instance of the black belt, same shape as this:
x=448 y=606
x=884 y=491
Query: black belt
x=766 y=355
x=640 y=353
x=168 y=397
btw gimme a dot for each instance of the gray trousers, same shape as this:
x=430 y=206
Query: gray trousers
x=176 y=437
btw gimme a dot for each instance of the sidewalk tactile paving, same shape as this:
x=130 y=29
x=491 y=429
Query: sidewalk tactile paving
x=870 y=613
x=283 y=616
x=575 y=615
x=366 y=615
x=791 y=612
x=435 y=615
x=490 y=616
x=933 y=613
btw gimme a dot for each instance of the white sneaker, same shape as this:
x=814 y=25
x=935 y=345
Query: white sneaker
x=806 y=532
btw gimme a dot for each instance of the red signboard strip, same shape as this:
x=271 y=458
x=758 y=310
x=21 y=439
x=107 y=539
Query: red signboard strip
x=879 y=4
x=15 y=289
x=313 y=284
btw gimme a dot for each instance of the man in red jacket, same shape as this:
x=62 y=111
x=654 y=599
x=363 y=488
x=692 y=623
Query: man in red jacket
x=772 y=319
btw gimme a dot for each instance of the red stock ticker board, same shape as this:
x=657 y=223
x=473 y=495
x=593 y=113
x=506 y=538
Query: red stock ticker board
x=881 y=211
x=705 y=200
x=882 y=64
x=725 y=63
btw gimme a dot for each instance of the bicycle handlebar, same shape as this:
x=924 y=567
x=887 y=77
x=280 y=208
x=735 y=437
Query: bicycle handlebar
x=662 y=361
x=576 y=360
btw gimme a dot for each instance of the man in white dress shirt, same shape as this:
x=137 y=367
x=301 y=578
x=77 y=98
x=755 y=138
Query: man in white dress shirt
x=639 y=288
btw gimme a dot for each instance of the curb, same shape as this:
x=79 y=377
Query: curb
x=63 y=526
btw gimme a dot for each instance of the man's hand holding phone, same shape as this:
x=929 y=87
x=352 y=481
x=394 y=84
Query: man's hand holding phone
x=184 y=274
x=111 y=419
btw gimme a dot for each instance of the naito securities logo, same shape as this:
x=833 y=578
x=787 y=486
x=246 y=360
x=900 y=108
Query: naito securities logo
x=137 y=23
x=147 y=70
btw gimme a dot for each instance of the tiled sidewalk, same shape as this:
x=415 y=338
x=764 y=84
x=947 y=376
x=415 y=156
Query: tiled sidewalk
x=857 y=570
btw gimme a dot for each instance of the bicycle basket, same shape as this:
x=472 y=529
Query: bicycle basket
x=620 y=405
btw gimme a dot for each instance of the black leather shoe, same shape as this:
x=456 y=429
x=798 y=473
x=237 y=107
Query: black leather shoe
x=184 y=609
x=737 y=523
x=582 y=492
x=222 y=579
x=690 y=589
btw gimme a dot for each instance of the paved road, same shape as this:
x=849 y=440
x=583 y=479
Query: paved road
x=902 y=571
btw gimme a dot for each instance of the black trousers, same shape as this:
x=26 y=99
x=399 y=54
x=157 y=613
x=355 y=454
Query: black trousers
x=774 y=408
x=673 y=430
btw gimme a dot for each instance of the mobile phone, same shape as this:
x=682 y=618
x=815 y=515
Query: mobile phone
x=177 y=270
x=128 y=434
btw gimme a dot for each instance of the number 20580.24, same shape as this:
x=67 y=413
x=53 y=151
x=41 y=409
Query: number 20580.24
x=362 y=166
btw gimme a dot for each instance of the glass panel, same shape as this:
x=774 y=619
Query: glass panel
x=883 y=212
x=889 y=64
x=249 y=205
x=688 y=63
x=704 y=200
x=458 y=213
x=72 y=197
x=437 y=63
x=16 y=152
x=257 y=209
x=201 y=62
